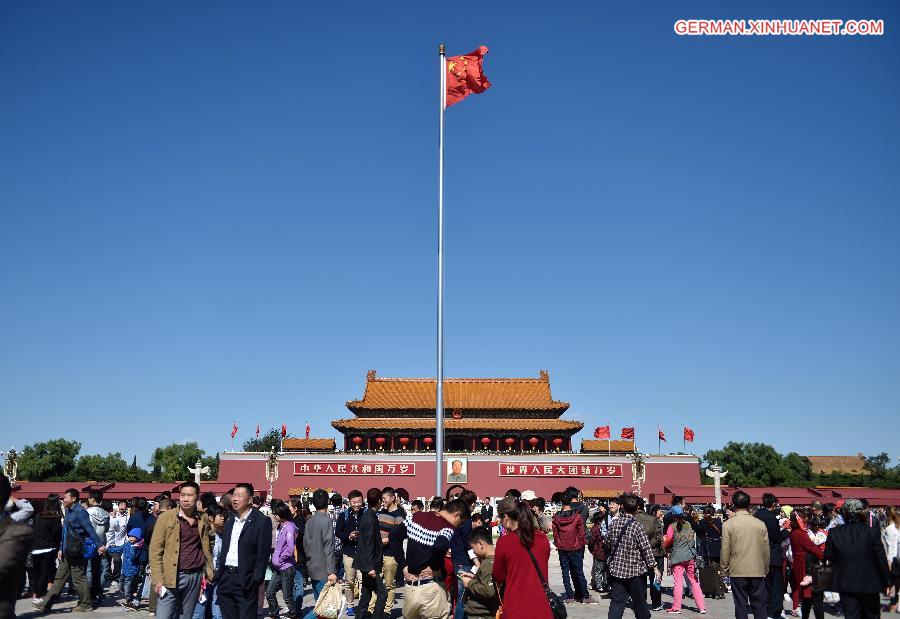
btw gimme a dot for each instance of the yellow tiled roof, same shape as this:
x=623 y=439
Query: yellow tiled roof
x=461 y=393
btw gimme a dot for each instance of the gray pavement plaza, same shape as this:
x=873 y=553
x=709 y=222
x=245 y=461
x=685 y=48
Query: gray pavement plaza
x=715 y=608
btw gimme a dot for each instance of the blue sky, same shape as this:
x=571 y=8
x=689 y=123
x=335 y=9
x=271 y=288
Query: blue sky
x=222 y=211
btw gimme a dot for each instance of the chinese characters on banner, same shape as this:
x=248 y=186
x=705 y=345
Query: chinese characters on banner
x=361 y=468
x=511 y=469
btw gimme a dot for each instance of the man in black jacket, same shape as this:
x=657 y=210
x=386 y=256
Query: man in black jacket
x=860 y=563
x=15 y=543
x=347 y=530
x=246 y=544
x=775 y=577
x=369 y=558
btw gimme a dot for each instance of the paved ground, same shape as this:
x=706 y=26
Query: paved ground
x=716 y=608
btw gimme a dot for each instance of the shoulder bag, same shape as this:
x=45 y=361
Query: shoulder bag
x=557 y=608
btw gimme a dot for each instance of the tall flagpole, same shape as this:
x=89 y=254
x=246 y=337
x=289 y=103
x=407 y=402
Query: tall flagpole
x=439 y=396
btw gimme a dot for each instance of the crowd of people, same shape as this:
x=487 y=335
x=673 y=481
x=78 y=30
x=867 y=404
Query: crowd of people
x=201 y=556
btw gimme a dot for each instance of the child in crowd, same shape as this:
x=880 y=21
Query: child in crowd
x=818 y=535
x=481 y=595
x=131 y=565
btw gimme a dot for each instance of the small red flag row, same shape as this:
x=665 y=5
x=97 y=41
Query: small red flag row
x=234 y=430
x=603 y=432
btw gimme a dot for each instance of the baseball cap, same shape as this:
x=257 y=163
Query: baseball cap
x=528 y=495
x=676 y=510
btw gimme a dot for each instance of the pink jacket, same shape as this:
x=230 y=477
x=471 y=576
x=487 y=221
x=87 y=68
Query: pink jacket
x=283 y=556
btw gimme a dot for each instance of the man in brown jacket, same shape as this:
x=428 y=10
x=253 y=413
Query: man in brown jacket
x=180 y=555
x=745 y=557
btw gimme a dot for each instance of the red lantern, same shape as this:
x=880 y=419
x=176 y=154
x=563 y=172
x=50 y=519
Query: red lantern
x=557 y=442
x=485 y=441
x=509 y=441
x=428 y=440
x=404 y=440
x=357 y=440
x=380 y=440
x=532 y=441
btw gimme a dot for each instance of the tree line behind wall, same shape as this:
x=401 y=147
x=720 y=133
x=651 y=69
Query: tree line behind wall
x=59 y=460
x=760 y=465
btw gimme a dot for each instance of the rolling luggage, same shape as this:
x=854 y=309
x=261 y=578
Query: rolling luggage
x=709 y=581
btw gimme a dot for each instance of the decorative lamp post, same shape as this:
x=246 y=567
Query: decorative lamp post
x=271 y=473
x=638 y=470
x=557 y=442
x=715 y=471
x=357 y=441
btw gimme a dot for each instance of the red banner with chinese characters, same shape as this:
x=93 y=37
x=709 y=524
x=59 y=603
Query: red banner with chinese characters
x=515 y=469
x=316 y=467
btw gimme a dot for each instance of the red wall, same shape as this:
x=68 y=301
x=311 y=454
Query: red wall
x=483 y=473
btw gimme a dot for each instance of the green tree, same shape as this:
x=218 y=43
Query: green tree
x=213 y=463
x=111 y=467
x=171 y=463
x=53 y=460
x=758 y=464
x=265 y=443
x=877 y=465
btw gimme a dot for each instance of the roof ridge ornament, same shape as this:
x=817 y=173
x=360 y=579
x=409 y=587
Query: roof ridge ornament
x=370 y=376
x=545 y=377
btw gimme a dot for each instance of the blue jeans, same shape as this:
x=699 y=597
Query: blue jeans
x=211 y=600
x=459 y=611
x=317 y=586
x=572 y=562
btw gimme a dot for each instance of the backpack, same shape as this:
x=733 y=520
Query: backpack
x=89 y=548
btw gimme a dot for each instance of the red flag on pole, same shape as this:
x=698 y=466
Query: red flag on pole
x=688 y=434
x=662 y=435
x=602 y=432
x=283 y=430
x=257 y=430
x=307 y=430
x=465 y=76
x=628 y=433
x=234 y=430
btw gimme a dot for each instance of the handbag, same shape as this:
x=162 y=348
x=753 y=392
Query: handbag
x=557 y=608
x=330 y=604
x=822 y=575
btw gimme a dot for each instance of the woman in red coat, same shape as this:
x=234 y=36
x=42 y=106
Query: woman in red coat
x=801 y=547
x=521 y=589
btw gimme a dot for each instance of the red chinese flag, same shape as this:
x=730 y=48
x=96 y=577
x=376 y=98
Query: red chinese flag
x=283 y=430
x=628 y=433
x=307 y=430
x=234 y=430
x=465 y=76
x=602 y=432
x=662 y=435
x=688 y=434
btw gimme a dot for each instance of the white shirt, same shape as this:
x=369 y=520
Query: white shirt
x=890 y=537
x=231 y=557
x=117 y=534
